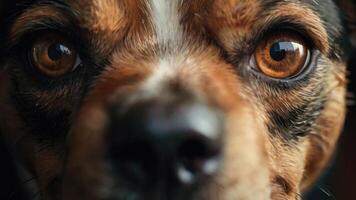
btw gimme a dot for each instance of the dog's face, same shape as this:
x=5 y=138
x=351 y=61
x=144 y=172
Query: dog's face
x=156 y=99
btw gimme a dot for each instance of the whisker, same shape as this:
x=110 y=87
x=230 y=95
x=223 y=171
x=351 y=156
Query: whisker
x=36 y=196
x=327 y=192
x=41 y=149
x=350 y=99
x=28 y=180
x=299 y=196
x=12 y=195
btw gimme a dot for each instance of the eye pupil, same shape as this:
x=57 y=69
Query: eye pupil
x=57 y=51
x=279 y=49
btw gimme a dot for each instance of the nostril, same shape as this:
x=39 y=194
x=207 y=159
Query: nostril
x=198 y=157
x=135 y=161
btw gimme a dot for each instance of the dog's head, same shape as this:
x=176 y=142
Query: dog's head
x=156 y=99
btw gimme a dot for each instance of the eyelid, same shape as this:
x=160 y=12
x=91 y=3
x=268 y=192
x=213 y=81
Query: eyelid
x=42 y=25
x=285 y=28
x=42 y=13
x=315 y=39
x=77 y=63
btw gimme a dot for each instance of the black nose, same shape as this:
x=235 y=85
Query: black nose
x=154 y=142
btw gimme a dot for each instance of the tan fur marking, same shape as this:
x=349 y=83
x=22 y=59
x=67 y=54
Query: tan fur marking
x=108 y=16
x=238 y=13
x=232 y=20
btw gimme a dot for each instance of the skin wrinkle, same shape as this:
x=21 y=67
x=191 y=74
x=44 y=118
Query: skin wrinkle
x=258 y=164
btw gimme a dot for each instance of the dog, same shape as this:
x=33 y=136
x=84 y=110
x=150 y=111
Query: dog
x=156 y=99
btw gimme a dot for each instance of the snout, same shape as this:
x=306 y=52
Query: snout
x=160 y=148
x=173 y=144
x=172 y=138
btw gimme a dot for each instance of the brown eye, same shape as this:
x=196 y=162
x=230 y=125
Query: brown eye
x=53 y=56
x=282 y=55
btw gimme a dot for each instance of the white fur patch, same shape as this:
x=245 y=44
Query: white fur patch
x=165 y=19
x=168 y=31
x=163 y=71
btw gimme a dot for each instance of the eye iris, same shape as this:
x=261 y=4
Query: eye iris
x=281 y=55
x=53 y=56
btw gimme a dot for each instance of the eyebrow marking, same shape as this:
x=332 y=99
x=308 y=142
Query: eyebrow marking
x=240 y=13
x=107 y=16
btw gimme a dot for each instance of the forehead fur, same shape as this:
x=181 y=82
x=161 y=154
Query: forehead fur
x=106 y=16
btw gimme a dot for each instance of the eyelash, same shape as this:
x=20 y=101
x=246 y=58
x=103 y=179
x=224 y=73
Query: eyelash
x=284 y=27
